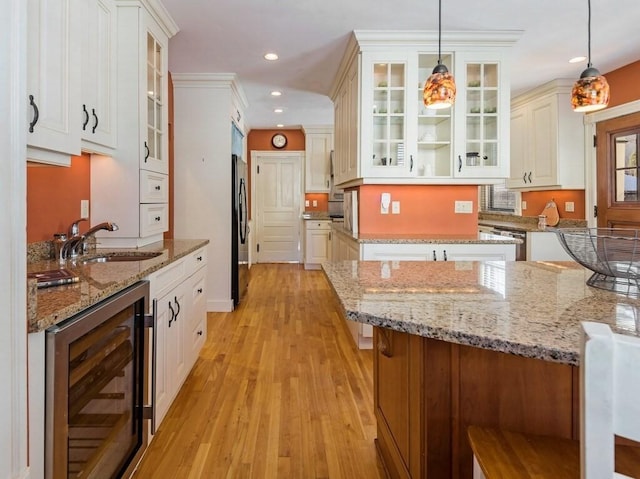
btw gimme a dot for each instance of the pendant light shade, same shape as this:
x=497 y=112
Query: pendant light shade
x=440 y=87
x=591 y=91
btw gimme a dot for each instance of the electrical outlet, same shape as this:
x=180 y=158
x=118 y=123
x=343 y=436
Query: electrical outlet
x=395 y=207
x=524 y=205
x=463 y=207
x=315 y=203
x=84 y=208
x=306 y=203
x=569 y=206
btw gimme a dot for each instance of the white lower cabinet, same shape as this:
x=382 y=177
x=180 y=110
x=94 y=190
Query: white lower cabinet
x=179 y=292
x=545 y=246
x=317 y=242
x=439 y=252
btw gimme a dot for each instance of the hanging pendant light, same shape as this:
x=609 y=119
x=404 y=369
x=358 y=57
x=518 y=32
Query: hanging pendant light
x=440 y=88
x=591 y=91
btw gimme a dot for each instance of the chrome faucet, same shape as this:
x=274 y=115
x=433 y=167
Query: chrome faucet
x=77 y=243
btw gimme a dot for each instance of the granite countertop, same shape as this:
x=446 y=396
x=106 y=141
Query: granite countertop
x=530 y=309
x=475 y=238
x=523 y=223
x=97 y=281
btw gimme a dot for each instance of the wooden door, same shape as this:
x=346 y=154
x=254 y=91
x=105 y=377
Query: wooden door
x=618 y=178
x=278 y=192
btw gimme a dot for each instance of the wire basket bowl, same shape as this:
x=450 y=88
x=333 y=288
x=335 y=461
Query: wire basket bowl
x=613 y=254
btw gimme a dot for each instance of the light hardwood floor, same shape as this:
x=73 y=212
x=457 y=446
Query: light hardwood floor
x=279 y=391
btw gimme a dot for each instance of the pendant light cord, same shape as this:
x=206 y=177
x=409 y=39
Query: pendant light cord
x=589 y=34
x=440 y=31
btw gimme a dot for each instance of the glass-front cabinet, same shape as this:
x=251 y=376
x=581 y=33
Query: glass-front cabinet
x=482 y=107
x=154 y=154
x=384 y=100
x=402 y=141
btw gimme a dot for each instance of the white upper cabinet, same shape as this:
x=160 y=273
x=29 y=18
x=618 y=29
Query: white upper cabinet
x=482 y=115
x=98 y=109
x=398 y=140
x=130 y=187
x=547 y=140
x=318 y=146
x=53 y=80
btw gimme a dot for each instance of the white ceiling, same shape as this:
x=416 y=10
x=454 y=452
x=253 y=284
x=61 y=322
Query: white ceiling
x=310 y=36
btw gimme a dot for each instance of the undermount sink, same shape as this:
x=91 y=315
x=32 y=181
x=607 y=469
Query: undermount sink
x=122 y=256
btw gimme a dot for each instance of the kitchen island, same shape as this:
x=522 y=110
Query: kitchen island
x=460 y=343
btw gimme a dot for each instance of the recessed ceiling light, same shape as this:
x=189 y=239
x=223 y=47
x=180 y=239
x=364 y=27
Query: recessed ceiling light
x=270 y=56
x=577 y=59
x=276 y=93
x=280 y=125
x=278 y=110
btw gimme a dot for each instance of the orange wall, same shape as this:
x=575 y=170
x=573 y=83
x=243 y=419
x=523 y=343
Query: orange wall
x=321 y=198
x=261 y=140
x=423 y=210
x=623 y=83
x=537 y=200
x=53 y=197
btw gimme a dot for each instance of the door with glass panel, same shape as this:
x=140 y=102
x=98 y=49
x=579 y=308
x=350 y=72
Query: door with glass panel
x=618 y=172
x=384 y=117
x=482 y=116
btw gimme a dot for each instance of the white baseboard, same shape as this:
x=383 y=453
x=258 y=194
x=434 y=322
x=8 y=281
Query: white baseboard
x=219 y=305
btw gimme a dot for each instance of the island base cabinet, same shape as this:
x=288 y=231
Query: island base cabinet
x=427 y=392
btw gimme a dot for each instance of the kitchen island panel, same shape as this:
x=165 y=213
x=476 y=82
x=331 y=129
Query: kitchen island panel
x=427 y=393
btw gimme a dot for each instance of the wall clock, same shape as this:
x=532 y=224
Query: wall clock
x=279 y=140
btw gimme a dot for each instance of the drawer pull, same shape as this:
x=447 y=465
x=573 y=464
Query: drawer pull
x=199 y=258
x=157 y=188
x=158 y=218
x=199 y=290
x=200 y=333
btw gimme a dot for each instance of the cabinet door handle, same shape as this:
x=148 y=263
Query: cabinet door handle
x=410 y=163
x=199 y=290
x=200 y=333
x=151 y=321
x=199 y=258
x=86 y=117
x=175 y=298
x=435 y=258
x=384 y=343
x=524 y=177
x=36 y=113
x=529 y=177
x=158 y=218
x=459 y=163
x=173 y=314
x=146 y=151
x=157 y=188
x=445 y=255
x=95 y=120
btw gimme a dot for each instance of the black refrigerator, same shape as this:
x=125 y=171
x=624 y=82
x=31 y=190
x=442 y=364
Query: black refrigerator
x=239 y=230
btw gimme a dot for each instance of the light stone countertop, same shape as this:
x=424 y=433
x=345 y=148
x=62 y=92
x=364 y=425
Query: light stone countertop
x=476 y=238
x=530 y=309
x=98 y=281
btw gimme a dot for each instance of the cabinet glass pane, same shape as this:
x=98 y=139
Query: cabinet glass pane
x=490 y=76
x=150 y=112
x=151 y=88
x=490 y=154
x=396 y=104
x=380 y=127
x=396 y=75
x=158 y=116
x=490 y=128
x=151 y=142
x=158 y=147
x=380 y=75
x=158 y=87
x=396 y=129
